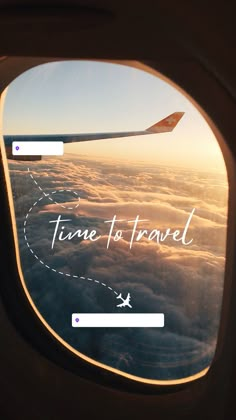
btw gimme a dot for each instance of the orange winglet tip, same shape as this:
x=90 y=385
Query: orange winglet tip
x=167 y=124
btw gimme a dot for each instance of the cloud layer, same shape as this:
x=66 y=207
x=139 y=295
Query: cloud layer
x=183 y=282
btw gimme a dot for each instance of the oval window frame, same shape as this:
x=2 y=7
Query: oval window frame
x=121 y=377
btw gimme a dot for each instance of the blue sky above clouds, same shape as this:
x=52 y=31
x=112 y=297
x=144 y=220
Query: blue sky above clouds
x=85 y=96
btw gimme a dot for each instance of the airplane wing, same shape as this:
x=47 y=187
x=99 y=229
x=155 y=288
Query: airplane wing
x=164 y=126
x=120 y=305
x=167 y=124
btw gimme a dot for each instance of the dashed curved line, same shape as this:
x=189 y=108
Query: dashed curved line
x=54 y=192
x=46 y=265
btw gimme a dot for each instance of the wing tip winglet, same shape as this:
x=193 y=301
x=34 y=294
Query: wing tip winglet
x=167 y=124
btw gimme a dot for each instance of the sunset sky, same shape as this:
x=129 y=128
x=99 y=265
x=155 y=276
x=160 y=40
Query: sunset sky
x=83 y=97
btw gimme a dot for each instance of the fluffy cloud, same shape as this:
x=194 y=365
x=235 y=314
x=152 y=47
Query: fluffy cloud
x=184 y=282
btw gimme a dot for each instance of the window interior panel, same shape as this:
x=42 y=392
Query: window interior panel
x=120 y=197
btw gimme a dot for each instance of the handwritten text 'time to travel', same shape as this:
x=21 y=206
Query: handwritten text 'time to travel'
x=115 y=234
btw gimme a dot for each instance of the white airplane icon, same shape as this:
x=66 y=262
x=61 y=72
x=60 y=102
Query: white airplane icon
x=126 y=302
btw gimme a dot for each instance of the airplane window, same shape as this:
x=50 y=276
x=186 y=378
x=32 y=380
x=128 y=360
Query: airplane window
x=120 y=196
